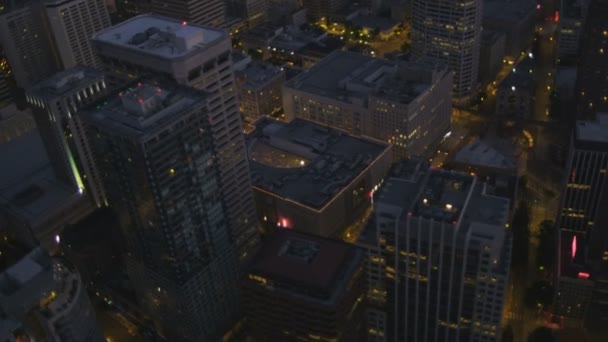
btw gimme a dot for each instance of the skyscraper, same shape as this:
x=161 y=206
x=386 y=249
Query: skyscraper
x=41 y=37
x=439 y=256
x=199 y=57
x=592 y=77
x=157 y=153
x=28 y=48
x=207 y=12
x=56 y=103
x=450 y=31
x=581 y=222
x=72 y=23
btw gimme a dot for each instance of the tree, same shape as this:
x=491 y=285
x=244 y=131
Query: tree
x=521 y=234
x=541 y=334
x=547 y=246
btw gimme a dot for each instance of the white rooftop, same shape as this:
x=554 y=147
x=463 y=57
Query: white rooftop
x=161 y=36
x=481 y=154
x=593 y=130
x=24 y=270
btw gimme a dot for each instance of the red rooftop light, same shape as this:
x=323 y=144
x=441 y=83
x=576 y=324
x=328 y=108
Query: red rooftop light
x=140 y=100
x=409 y=213
x=184 y=23
x=139 y=84
x=454 y=222
x=583 y=275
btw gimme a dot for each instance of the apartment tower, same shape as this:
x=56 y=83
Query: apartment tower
x=157 y=153
x=451 y=32
x=199 y=57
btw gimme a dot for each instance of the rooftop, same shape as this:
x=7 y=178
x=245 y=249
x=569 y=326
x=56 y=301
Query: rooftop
x=29 y=187
x=305 y=162
x=451 y=197
x=24 y=270
x=350 y=77
x=257 y=74
x=593 y=131
x=305 y=260
x=480 y=153
x=66 y=81
x=160 y=36
x=145 y=105
x=374 y=22
x=329 y=76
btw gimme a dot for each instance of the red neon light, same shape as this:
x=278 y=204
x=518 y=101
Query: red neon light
x=556 y=18
x=454 y=222
x=371 y=194
x=574 y=246
x=184 y=23
x=538 y=6
x=140 y=100
x=139 y=84
x=583 y=275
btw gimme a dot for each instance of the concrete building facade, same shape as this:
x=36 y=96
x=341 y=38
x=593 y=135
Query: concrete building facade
x=408 y=105
x=439 y=254
x=450 y=32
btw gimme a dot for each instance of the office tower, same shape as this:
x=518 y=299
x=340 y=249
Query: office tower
x=451 y=32
x=157 y=152
x=305 y=288
x=312 y=178
x=56 y=103
x=439 y=256
x=581 y=222
x=25 y=41
x=407 y=104
x=592 y=76
x=199 y=57
x=207 y=12
x=50 y=291
x=42 y=37
x=72 y=23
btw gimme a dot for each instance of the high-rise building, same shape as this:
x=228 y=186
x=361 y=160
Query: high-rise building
x=406 y=104
x=51 y=291
x=583 y=242
x=72 y=23
x=439 y=255
x=41 y=37
x=592 y=76
x=56 y=103
x=305 y=288
x=451 y=32
x=199 y=57
x=157 y=153
x=26 y=43
x=207 y=12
